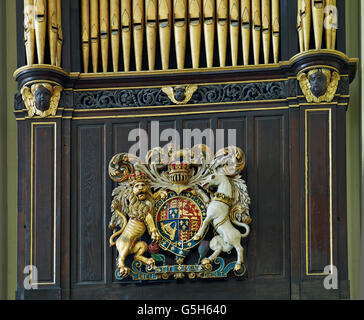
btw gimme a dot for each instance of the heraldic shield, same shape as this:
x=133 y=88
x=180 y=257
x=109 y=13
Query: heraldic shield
x=178 y=219
x=170 y=211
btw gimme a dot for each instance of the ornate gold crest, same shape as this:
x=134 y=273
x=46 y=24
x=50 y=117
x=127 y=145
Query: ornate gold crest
x=319 y=85
x=176 y=196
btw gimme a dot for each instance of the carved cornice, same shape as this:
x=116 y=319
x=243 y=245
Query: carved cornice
x=276 y=84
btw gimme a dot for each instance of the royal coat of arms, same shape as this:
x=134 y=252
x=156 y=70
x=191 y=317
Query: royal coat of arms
x=178 y=213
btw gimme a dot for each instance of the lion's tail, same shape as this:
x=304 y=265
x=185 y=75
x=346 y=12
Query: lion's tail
x=245 y=226
x=118 y=233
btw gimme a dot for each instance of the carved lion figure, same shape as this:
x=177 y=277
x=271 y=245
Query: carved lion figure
x=140 y=210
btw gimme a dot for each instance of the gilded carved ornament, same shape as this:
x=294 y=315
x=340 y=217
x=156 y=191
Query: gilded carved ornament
x=41 y=99
x=319 y=85
x=180 y=94
x=175 y=201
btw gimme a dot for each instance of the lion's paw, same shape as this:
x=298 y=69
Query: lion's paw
x=150 y=262
x=124 y=271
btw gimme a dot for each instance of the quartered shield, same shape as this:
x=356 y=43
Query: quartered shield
x=178 y=218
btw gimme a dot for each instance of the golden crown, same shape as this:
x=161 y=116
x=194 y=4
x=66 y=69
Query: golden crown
x=138 y=176
x=179 y=173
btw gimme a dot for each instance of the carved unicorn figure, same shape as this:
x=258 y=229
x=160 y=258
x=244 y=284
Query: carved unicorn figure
x=229 y=205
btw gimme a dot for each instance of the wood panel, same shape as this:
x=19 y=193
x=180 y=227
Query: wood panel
x=270 y=220
x=237 y=124
x=269 y=138
x=318 y=155
x=120 y=136
x=43 y=204
x=198 y=131
x=162 y=130
x=89 y=238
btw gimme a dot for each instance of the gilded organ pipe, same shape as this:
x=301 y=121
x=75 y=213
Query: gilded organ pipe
x=85 y=27
x=275 y=29
x=104 y=33
x=29 y=31
x=151 y=13
x=126 y=22
x=246 y=28
x=115 y=32
x=165 y=27
x=209 y=30
x=40 y=20
x=138 y=32
x=104 y=21
x=306 y=22
x=180 y=31
x=234 y=30
x=257 y=26
x=318 y=21
x=195 y=27
x=94 y=24
x=222 y=29
x=330 y=21
x=266 y=29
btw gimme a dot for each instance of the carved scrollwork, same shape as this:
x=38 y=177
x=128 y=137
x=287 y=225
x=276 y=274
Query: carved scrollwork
x=158 y=97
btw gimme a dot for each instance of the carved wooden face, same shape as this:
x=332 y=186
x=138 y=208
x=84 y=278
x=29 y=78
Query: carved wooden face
x=179 y=94
x=318 y=84
x=42 y=98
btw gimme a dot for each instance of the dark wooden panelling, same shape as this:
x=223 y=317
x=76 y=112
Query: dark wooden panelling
x=270 y=218
x=295 y=202
x=66 y=210
x=89 y=236
x=44 y=206
x=160 y=130
x=340 y=185
x=319 y=208
x=120 y=136
x=270 y=140
x=23 y=205
x=200 y=132
x=237 y=124
x=270 y=137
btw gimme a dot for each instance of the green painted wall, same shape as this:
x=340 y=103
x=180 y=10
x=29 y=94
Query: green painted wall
x=11 y=63
x=8 y=152
x=3 y=193
x=8 y=158
x=354 y=149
